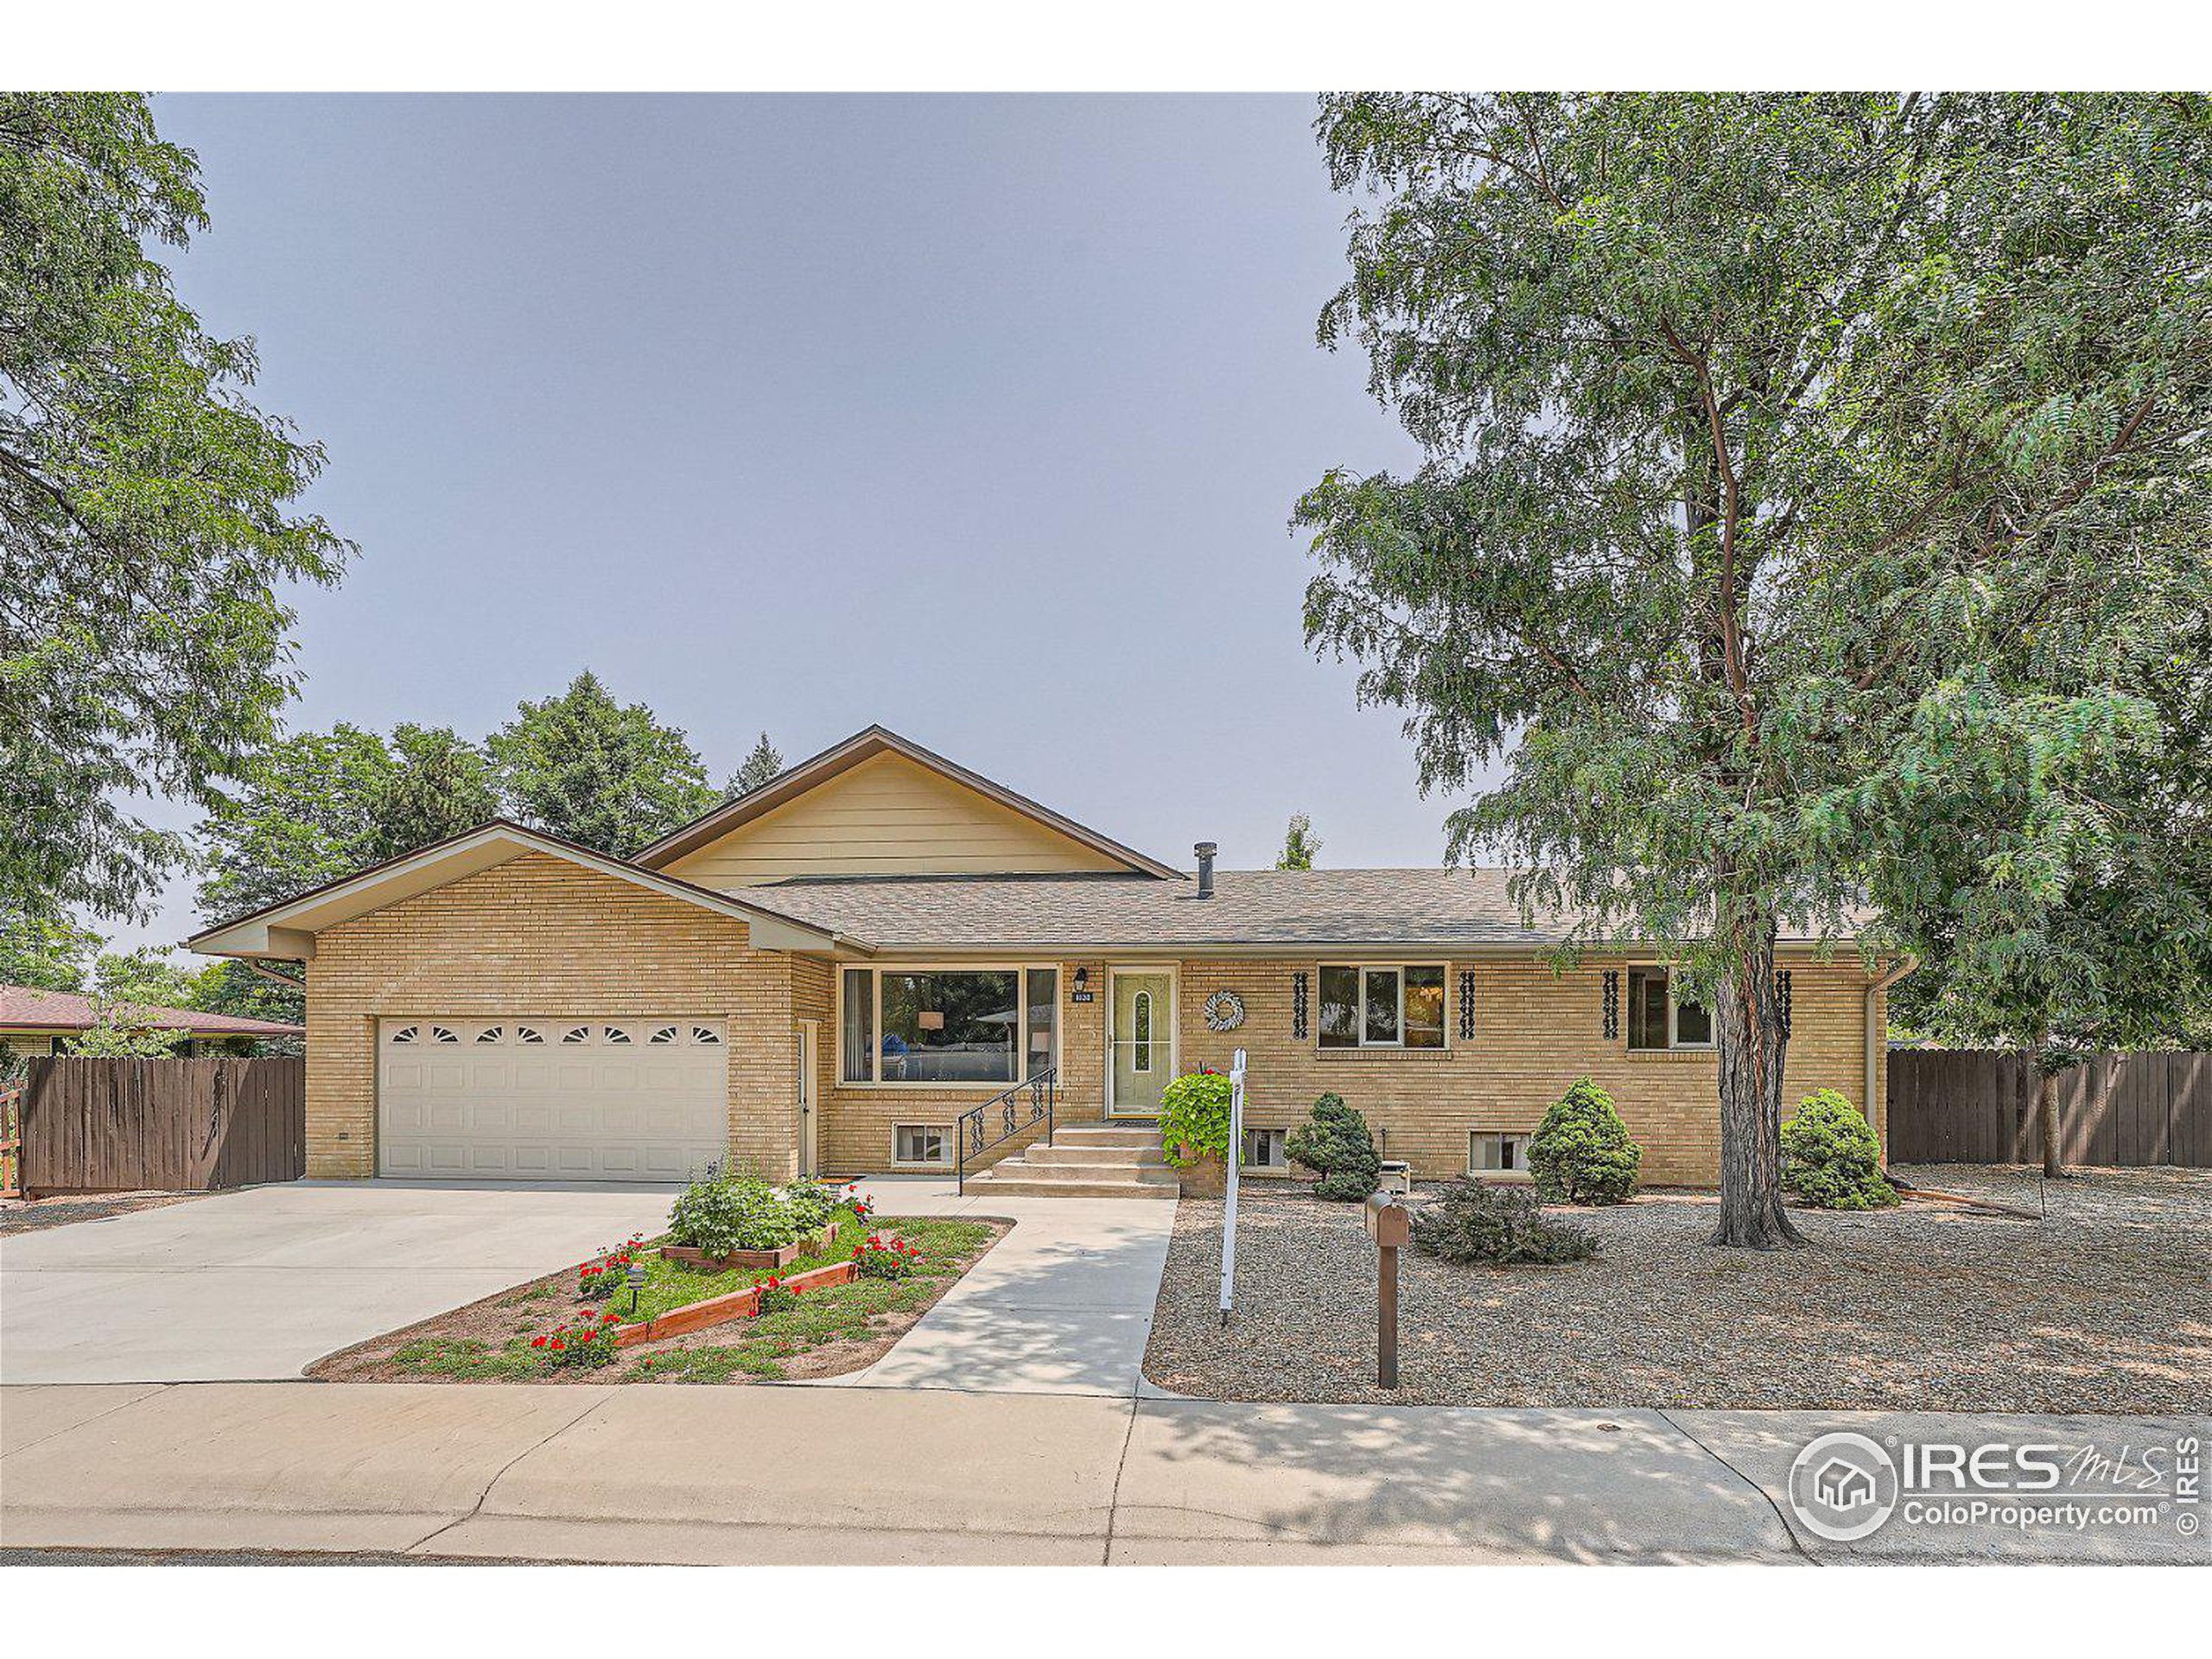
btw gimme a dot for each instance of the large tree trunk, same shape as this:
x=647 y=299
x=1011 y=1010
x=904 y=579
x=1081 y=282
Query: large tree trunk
x=1747 y=1030
x=2047 y=1122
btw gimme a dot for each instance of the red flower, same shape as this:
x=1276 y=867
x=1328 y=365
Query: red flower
x=556 y=1343
x=607 y=1318
x=538 y=1342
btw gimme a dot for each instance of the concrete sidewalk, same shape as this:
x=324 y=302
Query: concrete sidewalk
x=1061 y=1305
x=767 y=1474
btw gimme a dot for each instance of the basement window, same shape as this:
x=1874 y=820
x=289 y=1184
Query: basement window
x=1490 y=1153
x=921 y=1143
x=1265 y=1149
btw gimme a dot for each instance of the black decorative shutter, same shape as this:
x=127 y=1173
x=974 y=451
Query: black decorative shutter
x=1467 y=1005
x=1612 y=1006
x=1298 y=1005
x=1782 y=995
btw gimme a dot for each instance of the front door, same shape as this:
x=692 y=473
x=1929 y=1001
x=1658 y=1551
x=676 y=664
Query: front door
x=1139 y=1040
x=806 y=1114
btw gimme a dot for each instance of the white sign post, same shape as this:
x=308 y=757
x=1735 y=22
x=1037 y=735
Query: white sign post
x=1229 y=1207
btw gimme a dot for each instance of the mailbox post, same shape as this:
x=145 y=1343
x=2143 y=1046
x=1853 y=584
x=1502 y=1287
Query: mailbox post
x=1389 y=1225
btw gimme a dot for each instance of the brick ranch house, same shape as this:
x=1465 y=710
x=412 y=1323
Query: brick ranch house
x=826 y=973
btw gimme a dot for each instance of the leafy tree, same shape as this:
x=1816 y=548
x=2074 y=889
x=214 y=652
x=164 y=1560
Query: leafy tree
x=439 y=786
x=309 y=815
x=1299 y=844
x=144 y=521
x=764 y=763
x=2091 y=949
x=44 y=953
x=584 y=767
x=1796 y=468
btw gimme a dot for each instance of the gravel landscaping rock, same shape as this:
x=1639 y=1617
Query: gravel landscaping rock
x=2104 y=1305
x=35 y=1215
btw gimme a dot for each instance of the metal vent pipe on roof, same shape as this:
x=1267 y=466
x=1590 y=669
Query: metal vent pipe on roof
x=1205 y=850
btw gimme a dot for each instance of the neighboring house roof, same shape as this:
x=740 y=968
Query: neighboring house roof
x=22 y=1008
x=863 y=746
x=287 y=930
x=1402 y=909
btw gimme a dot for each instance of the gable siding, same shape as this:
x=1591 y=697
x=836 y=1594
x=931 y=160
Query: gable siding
x=887 y=817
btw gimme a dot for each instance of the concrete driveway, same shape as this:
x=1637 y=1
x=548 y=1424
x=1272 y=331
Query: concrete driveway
x=258 y=1285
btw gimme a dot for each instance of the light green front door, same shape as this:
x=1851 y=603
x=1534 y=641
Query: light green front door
x=1141 y=1040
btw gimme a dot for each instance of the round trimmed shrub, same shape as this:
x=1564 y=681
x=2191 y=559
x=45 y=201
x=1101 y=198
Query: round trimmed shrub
x=1337 y=1144
x=1583 y=1154
x=1831 y=1158
x=1194 y=1118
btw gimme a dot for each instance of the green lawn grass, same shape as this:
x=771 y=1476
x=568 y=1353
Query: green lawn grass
x=755 y=1347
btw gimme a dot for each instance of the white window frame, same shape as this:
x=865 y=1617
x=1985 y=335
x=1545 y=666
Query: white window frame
x=1675 y=1044
x=1020 y=971
x=1397 y=971
x=1520 y=1137
x=944 y=1133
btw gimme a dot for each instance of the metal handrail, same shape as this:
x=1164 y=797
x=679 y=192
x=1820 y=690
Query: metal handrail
x=974 y=1135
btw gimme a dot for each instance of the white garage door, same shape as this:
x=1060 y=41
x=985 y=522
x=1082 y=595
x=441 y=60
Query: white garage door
x=531 y=1099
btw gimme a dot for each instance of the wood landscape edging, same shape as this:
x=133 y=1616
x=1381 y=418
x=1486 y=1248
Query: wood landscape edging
x=720 y=1310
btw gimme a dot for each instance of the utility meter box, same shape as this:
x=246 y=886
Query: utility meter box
x=1388 y=1222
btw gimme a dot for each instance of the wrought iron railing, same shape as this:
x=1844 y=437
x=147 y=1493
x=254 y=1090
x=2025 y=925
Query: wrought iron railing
x=1003 y=1117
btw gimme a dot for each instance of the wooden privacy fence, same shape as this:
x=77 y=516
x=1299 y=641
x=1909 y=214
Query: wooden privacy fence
x=179 y=1126
x=1978 y=1106
x=11 y=1162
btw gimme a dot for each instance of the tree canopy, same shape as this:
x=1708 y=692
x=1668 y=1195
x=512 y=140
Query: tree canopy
x=146 y=524
x=611 y=776
x=1299 y=844
x=763 y=763
x=1807 y=482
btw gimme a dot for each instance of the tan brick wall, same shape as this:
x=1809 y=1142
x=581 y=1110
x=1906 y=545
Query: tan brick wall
x=1535 y=1034
x=543 y=937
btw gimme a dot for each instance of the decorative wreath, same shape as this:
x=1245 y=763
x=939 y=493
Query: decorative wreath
x=1224 y=1011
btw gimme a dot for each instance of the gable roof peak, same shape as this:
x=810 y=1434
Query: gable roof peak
x=865 y=745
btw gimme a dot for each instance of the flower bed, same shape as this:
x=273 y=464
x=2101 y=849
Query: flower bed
x=686 y=1323
x=720 y=1310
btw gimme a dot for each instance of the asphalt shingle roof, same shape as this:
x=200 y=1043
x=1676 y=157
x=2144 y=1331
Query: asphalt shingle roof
x=22 y=1007
x=1272 y=907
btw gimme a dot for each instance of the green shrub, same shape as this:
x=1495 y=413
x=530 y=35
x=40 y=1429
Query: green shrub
x=1336 y=1144
x=1830 y=1157
x=727 y=1213
x=1194 y=1118
x=586 y=1339
x=1473 y=1222
x=811 y=1204
x=1583 y=1154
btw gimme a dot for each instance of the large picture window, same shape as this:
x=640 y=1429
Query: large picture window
x=974 y=1026
x=1657 y=1022
x=1381 y=1007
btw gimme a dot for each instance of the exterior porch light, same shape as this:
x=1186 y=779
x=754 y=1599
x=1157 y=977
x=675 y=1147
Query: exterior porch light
x=1083 y=979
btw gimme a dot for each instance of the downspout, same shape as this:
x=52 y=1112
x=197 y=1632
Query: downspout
x=1875 y=988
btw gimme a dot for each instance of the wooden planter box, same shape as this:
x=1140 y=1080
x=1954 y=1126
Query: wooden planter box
x=753 y=1261
x=720 y=1310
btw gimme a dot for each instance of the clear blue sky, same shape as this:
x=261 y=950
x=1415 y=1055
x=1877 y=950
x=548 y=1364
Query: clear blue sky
x=979 y=417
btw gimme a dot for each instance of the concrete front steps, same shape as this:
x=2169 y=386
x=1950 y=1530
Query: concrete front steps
x=1086 y=1160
